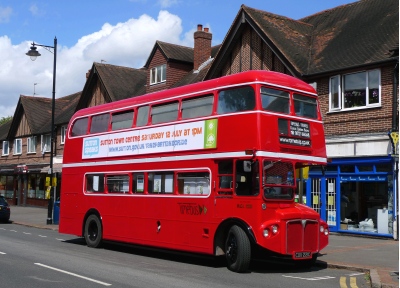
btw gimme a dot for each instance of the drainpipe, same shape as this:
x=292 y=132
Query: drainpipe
x=395 y=130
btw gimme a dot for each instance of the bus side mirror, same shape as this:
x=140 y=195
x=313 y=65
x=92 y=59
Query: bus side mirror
x=247 y=166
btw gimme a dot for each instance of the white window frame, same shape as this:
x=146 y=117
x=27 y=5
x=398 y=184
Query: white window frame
x=158 y=74
x=45 y=147
x=28 y=147
x=63 y=134
x=5 y=152
x=341 y=92
x=17 y=148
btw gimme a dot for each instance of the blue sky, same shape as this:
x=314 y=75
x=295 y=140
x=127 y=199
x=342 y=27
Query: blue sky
x=119 y=32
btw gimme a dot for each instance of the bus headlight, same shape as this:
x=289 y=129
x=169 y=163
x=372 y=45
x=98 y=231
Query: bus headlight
x=326 y=231
x=274 y=229
x=321 y=229
x=266 y=232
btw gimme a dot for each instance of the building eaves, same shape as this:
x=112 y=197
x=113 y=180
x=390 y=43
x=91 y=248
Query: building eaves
x=65 y=108
x=4 y=128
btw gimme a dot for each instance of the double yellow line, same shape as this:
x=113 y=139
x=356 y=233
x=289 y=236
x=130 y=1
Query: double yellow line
x=353 y=283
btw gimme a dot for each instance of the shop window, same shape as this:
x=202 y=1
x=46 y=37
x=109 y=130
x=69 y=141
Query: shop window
x=161 y=182
x=347 y=169
x=3 y=181
x=365 y=168
x=383 y=168
x=194 y=183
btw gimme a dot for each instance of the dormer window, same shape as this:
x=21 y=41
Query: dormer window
x=158 y=74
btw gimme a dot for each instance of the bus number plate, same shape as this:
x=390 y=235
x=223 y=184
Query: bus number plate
x=302 y=255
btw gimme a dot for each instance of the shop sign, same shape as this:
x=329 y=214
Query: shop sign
x=374 y=178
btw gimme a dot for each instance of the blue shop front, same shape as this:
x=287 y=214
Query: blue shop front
x=355 y=195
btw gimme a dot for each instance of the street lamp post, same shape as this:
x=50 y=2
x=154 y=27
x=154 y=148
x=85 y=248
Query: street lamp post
x=33 y=53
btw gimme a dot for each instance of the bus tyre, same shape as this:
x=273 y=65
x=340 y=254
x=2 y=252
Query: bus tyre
x=93 y=231
x=237 y=250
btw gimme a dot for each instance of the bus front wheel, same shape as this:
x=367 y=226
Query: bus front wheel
x=93 y=231
x=237 y=250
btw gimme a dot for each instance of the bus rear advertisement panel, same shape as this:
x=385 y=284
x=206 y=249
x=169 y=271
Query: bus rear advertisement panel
x=205 y=168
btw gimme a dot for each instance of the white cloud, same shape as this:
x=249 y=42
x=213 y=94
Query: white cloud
x=167 y=3
x=5 y=13
x=126 y=44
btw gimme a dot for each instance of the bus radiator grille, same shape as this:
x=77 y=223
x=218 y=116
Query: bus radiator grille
x=302 y=235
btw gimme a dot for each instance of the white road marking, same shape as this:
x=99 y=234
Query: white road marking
x=42 y=236
x=310 y=279
x=59 y=239
x=27 y=233
x=13 y=230
x=2 y=229
x=2 y=253
x=355 y=274
x=73 y=274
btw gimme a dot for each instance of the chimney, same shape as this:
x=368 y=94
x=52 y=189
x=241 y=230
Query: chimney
x=202 y=46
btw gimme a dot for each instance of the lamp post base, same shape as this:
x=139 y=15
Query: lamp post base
x=49 y=221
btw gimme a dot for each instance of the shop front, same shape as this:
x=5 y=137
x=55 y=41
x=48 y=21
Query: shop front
x=25 y=185
x=355 y=195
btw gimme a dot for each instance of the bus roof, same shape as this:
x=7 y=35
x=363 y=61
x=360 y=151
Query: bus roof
x=252 y=76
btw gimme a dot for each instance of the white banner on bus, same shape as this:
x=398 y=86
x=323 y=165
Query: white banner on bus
x=179 y=137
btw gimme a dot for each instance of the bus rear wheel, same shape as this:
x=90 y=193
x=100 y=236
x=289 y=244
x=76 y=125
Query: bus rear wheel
x=237 y=250
x=93 y=231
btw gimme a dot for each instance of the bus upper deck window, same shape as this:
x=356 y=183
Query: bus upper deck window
x=234 y=100
x=80 y=127
x=99 y=123
x=305 y=106
x=121 y=120
x=164 y=113
x=197 y=107
x=142 y=116
x=275 y=100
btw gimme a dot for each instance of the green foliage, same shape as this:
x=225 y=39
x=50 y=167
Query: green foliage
x=5 y=119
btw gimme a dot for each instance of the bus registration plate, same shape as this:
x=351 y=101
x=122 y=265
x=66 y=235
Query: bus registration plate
x=302 y=255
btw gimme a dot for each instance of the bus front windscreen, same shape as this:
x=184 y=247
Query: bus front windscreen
x=278 y=180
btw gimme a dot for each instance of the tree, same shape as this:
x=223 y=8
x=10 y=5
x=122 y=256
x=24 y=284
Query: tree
x=5 y=119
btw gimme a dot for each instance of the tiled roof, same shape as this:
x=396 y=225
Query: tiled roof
x=121 y=82
x=352 y=35
x=4 y=128
x=37 y=111
x=355 y=34
x=65 y=108
x=176 y=52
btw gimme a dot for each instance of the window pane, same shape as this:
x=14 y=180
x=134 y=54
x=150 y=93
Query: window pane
x=163 y=72
x=334 y=92
x=95 y=183
x=138 y=183
x=159 y=73
x=234 y=100
x=122 y=120
x=99 y=123
x=32 y=144
x=275 y=100
x=305 y=106
x=143 y=116
x=373 y=86
x=80 y=127
x=354 y=90
x=164 y=113
x=197 y=107
x=5 y=148
x=118 y=183
x=197 y=183
x=153 y=76
x=161 y=182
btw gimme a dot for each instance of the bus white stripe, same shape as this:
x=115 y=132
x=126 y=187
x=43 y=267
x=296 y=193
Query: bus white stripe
x=197 y=157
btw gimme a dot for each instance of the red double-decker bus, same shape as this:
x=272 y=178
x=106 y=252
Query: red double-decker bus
x=206 y=168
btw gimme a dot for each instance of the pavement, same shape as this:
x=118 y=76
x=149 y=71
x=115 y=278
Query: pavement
x=376 y=256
